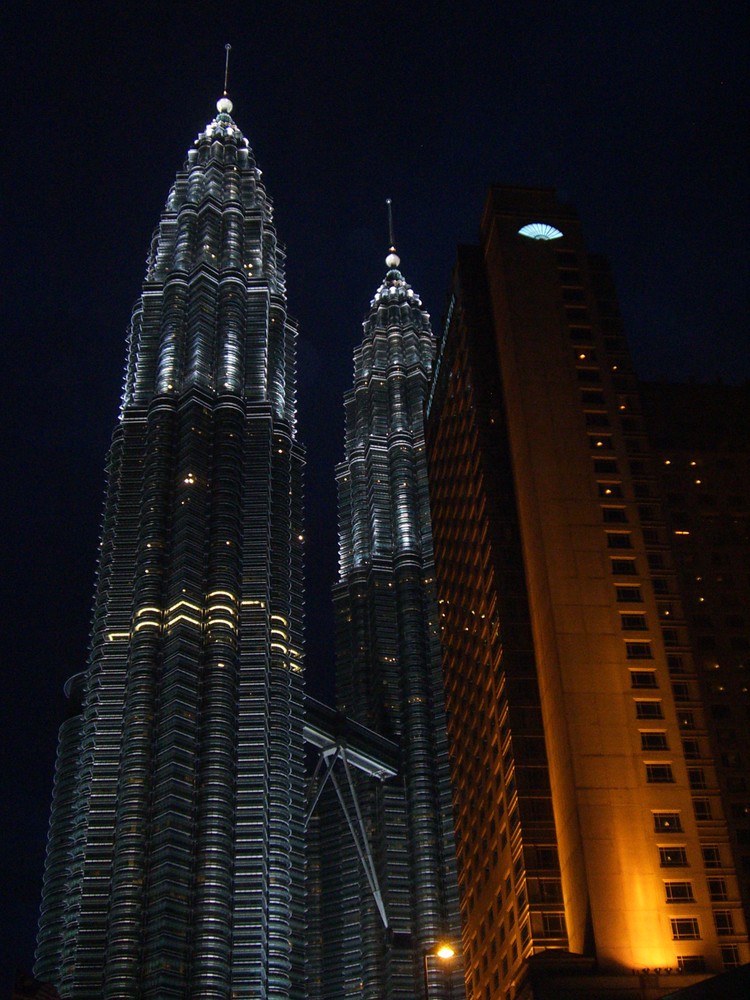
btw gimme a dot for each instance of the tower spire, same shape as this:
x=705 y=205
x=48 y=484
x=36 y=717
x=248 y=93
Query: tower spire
x=393 y=259
x=227 y=49
x=224 y=105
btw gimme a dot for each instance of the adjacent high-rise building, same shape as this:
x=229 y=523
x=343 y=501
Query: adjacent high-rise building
x=593 y=844
x=175 y=859
x=384 y=915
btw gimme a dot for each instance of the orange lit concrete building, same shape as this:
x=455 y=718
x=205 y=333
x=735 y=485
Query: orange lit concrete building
x=580 y=831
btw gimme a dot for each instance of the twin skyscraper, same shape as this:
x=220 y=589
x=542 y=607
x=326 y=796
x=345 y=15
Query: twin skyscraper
x=181 y=859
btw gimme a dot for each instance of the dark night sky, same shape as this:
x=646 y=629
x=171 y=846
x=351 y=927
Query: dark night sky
x=634 y=112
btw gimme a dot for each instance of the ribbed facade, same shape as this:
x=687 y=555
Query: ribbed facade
x=175 y=859
x=389 y=676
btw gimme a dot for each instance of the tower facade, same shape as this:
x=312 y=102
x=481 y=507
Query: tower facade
x=585 y=834
x=175 y=857
x=378 y=939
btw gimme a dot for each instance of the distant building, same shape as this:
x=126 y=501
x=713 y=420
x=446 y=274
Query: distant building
x=382 y=920
x=593 y=850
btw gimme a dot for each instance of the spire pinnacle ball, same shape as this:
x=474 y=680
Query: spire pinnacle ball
x=393 y=259
x=224 y=106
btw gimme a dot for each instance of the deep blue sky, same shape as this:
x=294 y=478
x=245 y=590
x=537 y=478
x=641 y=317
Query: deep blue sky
x=635 y=112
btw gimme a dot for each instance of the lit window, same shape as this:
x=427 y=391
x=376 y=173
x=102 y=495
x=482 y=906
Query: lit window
x=685 y=929
x=667 y=822
x=673 y=857
x=686 y=720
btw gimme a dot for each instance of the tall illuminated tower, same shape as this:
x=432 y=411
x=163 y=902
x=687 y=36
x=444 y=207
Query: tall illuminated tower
x=377 y=928
x=594 y=852
x=175 y=858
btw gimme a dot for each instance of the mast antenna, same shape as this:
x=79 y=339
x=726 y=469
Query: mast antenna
x=390 y=223
x=228 y=49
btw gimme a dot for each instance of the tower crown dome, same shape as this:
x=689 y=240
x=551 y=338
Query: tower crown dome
x=394 y=288
x=222 y=127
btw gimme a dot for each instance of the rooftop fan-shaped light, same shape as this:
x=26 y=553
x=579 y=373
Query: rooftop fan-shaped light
x=540 y=231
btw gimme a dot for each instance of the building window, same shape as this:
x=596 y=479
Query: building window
x=604 y=465
x=675 y=663
x=659 y=774
x=654 y=741
x=679 y=892
x=629 y=595
x=638 y=650
x=643 y=679
x=686 y=720
x=619 y=540
x=681 y=691
x=670 y=636
x=697 y=778
x=691 y=963
x=724 y=922
x=673 y=857
x=623 y=567
x=717 y=890
x=648 y=710
x=601 y=442
x=685 y=929
x=632 y=623
x=614 y=515
x=581 y=335
x=550 y=890
x=595 y=419
x=592 y=397
x=667 y=822
x=702 y=809
x=691 y=749
x=609 y=489
x=730 y=956
x=553 y=924
x=711 y=856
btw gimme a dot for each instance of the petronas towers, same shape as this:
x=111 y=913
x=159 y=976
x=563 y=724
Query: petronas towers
x=176 y=859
